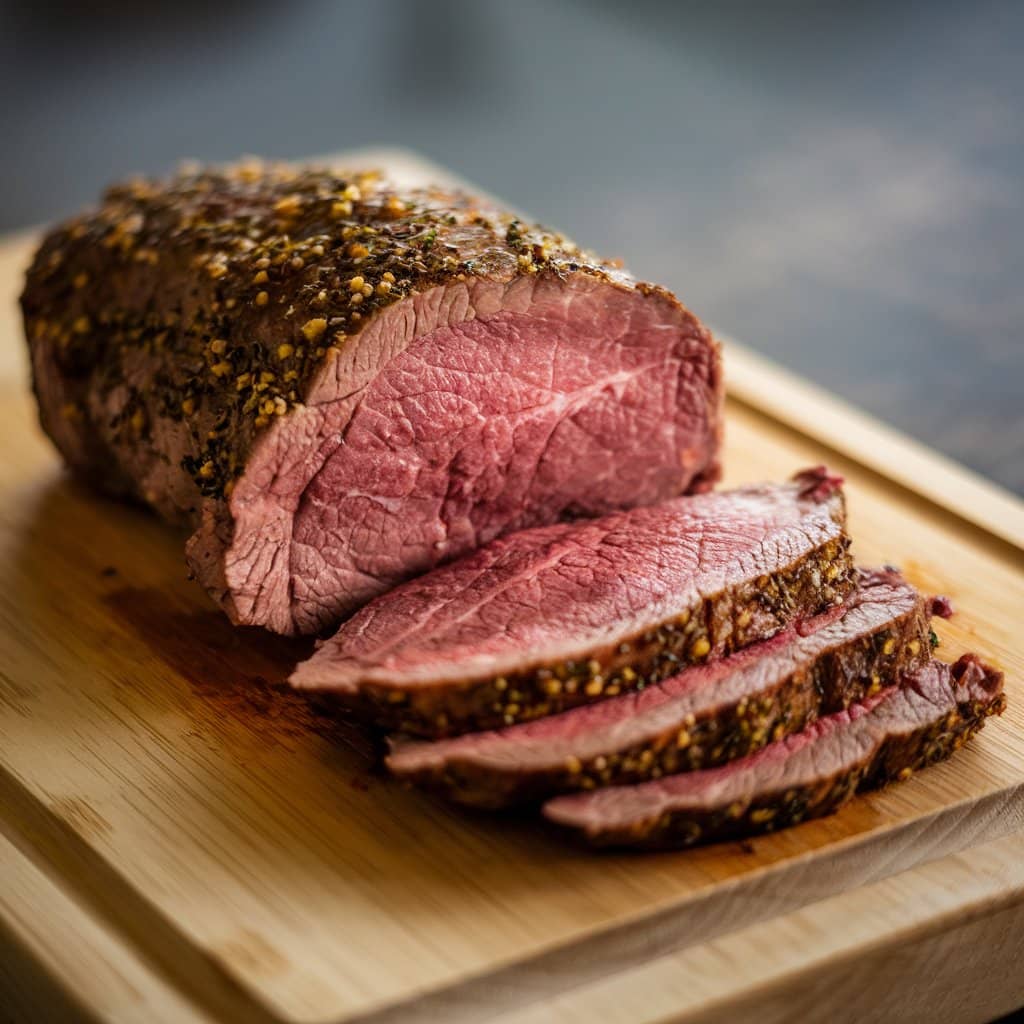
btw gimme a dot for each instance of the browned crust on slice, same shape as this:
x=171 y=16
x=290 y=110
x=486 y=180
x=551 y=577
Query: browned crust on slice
x=896 y=758
x=718 y=625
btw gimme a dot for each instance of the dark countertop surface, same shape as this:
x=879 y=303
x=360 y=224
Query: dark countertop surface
x=837 y=185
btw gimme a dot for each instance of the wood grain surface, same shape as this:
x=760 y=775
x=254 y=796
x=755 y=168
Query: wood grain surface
x=249 y=855
x=59 y=963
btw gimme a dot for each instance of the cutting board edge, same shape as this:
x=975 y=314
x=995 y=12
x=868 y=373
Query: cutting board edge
x=788 y=967
x=551 y=971
x=767 y=388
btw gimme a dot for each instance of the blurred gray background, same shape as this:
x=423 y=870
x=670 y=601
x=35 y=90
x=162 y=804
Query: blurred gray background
x=836 y=184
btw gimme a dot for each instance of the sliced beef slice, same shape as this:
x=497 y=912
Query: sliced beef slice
x=884 y=738
x=337 y=383
x=704 y=716
x=550 y=618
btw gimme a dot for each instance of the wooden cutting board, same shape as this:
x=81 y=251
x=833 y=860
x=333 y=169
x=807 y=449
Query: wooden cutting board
x=167 y=804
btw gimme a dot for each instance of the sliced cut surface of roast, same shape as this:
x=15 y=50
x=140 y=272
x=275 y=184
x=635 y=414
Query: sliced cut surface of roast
x=553 y=617
x=338 y=383
x=703 y=716
x=884 y=738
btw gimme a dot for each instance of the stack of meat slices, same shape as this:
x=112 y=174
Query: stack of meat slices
x=709 y=667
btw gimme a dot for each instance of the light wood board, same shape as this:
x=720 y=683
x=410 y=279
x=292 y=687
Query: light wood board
x=247 y=855
x=941 y=944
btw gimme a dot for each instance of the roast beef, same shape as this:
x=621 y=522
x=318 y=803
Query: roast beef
x=553 y=617
x=337 y=383
x=704 y=716
x=886 y=737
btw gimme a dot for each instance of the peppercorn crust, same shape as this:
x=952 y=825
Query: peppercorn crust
x=173 y=326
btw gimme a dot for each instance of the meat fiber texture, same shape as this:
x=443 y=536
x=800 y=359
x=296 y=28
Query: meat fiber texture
x=885 y=738
x=704 y=716
x=338 y=384
x=552 y=617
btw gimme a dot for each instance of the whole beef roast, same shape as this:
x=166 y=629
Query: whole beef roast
x=553 y=617
x=704 y=716
x=338 y=384
x=886 y=737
